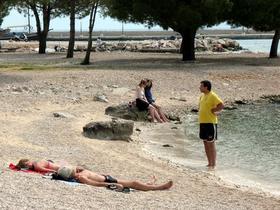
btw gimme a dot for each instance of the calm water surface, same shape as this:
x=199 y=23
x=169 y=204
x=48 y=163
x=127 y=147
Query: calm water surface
x=247 y=147
x=257 y=45
x=249 y=140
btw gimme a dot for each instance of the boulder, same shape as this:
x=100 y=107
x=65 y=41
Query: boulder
x=111 y=130
x=62 y=115
x=200 y=45
x=272 y=98
x=101 y=98
x=80 y=48
x=230 y=107
x=240 y=102
x=221 y=42
x=127 y=112
x=130 y=112
x=173 y=117
x=218 y=48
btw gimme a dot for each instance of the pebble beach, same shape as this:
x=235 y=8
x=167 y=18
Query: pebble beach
x=33 y=87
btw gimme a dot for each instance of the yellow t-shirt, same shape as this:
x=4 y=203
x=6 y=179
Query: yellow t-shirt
x=206 y=103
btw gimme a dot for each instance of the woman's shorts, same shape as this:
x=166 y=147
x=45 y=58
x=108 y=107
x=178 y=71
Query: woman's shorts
x=142 y=105
x=208 y=131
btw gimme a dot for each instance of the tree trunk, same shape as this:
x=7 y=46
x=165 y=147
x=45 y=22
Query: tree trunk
x=87 y=57
x=46 y=24
x=42 y=43
x=187 y=46
x=274 y=45
x=38 y=26
x=71 y=43
x=91 y=25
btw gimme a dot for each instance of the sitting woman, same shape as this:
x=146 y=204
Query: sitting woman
x=149 y=97
x=142 y=104
x=43 y=166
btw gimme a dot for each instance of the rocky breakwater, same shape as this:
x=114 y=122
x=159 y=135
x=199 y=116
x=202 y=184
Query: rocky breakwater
x=201 y=45
x=216 y=45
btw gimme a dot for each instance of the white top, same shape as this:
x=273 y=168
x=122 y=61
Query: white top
x=140 y=93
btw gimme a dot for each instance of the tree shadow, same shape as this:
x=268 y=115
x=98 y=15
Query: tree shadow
x=174 y=62
x=141 y=61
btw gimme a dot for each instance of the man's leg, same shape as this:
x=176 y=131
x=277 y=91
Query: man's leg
x=210 y=150
x=206 y=147
x=213 y=153
x=143 y=186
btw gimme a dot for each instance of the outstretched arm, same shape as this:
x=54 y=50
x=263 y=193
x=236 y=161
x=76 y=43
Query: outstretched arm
x=43 y=169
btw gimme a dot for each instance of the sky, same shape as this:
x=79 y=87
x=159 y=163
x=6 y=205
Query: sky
x=62 y=24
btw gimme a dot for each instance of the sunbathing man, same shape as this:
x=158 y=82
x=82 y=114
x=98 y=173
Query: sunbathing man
x=88 y=177
x=43 y=166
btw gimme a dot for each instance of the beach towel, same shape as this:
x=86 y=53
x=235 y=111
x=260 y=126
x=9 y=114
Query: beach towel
x=72 y=182
x=45 y=175
x=14 y=168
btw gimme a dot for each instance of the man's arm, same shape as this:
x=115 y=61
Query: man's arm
x=218 y=108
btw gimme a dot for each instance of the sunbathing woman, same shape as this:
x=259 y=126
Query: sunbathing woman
x=149 y=97
x=43 y=166
x=98 y=180
x=142 y=103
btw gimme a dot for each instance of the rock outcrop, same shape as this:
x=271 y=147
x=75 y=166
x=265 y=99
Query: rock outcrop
x=127 y=111
x=130 y=112
x=272 y=98
x=111 y=130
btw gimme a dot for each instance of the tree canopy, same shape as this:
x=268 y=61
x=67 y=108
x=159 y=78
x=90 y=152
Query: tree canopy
x=74 y=9
x=43 y=11
x=183 y=16
x=4 y=10
x=260 y=15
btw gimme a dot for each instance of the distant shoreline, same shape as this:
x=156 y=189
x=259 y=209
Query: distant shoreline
x=157 y=35
x=235 y=34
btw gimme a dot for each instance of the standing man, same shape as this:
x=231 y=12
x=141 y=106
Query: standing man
x=209 y=106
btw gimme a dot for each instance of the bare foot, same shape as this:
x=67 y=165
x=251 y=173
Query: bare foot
x=166 y=186
x=169 y=184
x=210 y=167
x=160 y=121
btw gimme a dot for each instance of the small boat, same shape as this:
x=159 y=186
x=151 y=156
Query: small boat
x=4 y=31
x=17 y=36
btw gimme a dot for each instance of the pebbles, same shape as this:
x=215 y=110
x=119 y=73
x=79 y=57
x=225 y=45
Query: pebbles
x=35 y=133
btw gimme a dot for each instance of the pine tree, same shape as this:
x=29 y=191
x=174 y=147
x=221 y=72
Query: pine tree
x=183 y=16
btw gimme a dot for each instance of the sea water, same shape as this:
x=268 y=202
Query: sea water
x=248 y=144
x=247 y=147
x=257 y=45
